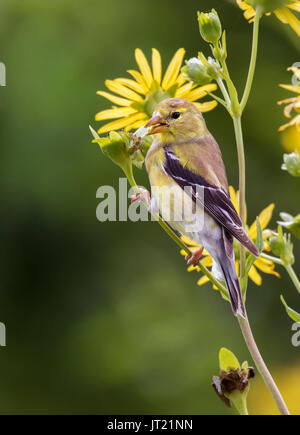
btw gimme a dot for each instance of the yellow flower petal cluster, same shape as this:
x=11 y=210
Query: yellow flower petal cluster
x=284 y=14
x=293 y=104
x=261 y=264
x=135 y=98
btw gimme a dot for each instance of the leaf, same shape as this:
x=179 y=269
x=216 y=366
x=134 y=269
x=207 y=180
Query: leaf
x=291 y=313
x=228 y=361
x=259 y=237
x=94 y=133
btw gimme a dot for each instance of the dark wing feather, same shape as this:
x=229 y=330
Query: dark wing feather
x=217 y=202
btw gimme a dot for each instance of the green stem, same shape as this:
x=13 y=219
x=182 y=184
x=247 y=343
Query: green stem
x=261 y=366
x=293 y=276
x=271 y=258
x=242 y=184
x=239 y=400
x=170 y=232
x=253 y=59
x=224 y=92
x=287 y=267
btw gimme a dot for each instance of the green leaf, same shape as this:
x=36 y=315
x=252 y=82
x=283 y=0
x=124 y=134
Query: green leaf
x=259 y=237
x=291 y=313
x=228 y=361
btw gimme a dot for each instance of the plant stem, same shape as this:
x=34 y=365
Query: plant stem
x=293 y=276
x=224 y=92
x=253 y=59
x=261 y=366
x=271 y=258
x=242 y=183
x=287 y=267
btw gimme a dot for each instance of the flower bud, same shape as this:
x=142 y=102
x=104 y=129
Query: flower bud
x=232 y=386
x=292 y=164
x=282 y=247
x=210 y=26
x=268 y=5
x=291 y=223
x=124 y=149
x=196 y=71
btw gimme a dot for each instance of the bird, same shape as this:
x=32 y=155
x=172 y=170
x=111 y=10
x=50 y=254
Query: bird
x=189 y=188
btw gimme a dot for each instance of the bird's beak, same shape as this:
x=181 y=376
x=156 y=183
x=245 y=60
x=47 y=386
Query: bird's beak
x=158 y=125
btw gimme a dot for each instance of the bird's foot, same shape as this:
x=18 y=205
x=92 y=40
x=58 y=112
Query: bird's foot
x=144 y=195
x=195 y=257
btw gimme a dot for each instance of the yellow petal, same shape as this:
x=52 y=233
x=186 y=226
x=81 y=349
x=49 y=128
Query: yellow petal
x=114 y=99
x=287 y=17
x=136 y=125
x=189 y=242
x=249 y=12
x=207 y=106
x=234 y=199
x=295 y=121
x=203 y=280
x=237 y=267
x=144 y=67
x=139 y=78
x=266 y=266
x=291 y=88
x=200 y=92
x=191 y=268
x=295 y=6
x=264 y=218
x=173 y=69
x=131 y=84
x=255 y=276
x=181 y=79
x=207 y=261
x=114 y=113
x=116 y=87
x=156 y=65
x=184 y=90
x=121 y=123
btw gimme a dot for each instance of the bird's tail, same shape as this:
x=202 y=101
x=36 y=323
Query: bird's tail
x=233 y=286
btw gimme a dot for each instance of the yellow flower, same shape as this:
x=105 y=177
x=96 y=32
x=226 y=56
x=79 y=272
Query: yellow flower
x=293 y=104
x=284 y=13
x=290 y=139
x=136 y=99
x=264 y=265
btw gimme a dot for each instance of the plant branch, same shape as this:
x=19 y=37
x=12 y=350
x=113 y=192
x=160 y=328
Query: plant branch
x=271 y=258
x=253 y=59
x=293 y=276
x=261 y=366
x=242 y=184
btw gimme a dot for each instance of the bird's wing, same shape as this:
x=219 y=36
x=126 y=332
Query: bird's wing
x=215 y=199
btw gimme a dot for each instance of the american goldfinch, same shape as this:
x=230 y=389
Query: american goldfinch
x=185 y=159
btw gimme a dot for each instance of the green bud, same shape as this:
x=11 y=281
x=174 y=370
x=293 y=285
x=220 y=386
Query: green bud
x=282 y=247
x=210 y=26
x=232 y=386
x=291 y=223
x=196 y=71
x=292 y=163
x=269 y=5
x=124 y=149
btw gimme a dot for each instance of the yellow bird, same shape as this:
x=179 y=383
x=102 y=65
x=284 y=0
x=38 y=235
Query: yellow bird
x=190 y=189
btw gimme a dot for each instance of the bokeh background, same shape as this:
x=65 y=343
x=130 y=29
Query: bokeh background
x=103 y=317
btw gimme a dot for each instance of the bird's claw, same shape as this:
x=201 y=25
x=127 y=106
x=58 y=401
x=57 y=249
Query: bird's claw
x=193 y=260
x=143 y=195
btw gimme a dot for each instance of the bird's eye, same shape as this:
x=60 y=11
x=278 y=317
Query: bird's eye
x=175 y=115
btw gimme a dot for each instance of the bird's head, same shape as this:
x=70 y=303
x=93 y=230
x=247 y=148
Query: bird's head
x=176 y=118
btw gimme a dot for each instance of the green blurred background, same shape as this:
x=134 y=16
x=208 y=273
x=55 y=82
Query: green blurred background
x=103 y=317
